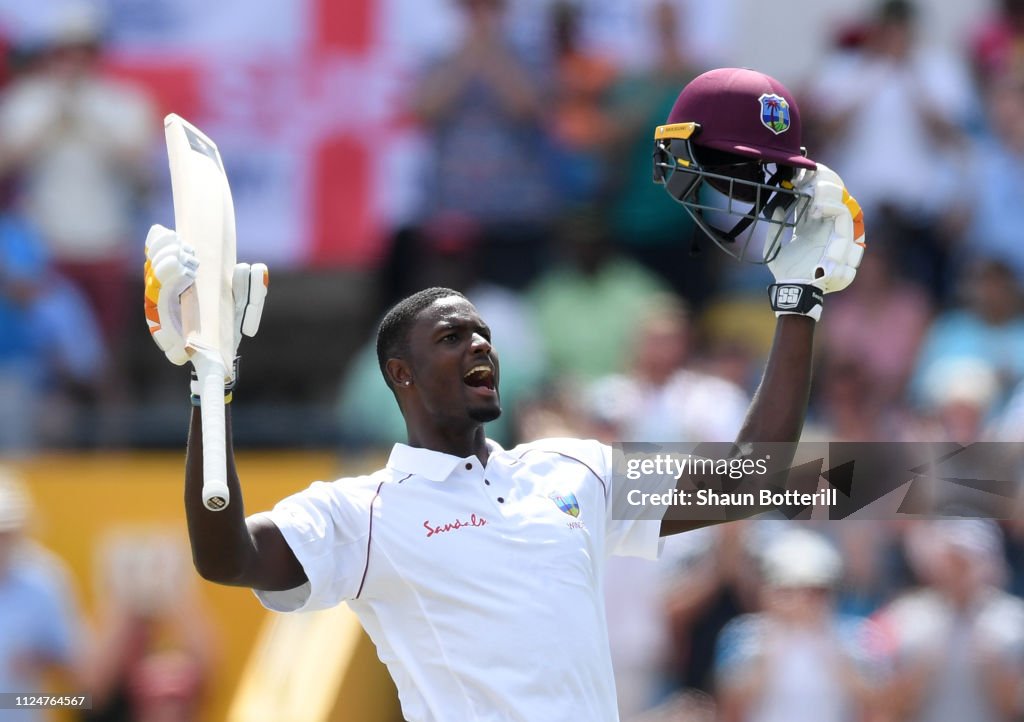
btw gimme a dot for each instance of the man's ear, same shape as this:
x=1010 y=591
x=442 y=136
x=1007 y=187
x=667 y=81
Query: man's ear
x=399 y=373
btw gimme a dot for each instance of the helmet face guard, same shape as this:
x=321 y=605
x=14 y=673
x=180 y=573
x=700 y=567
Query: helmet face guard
x=760 y=195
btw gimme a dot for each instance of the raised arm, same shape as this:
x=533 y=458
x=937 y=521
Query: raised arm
x=777 y=411
x=226 y=548
x=779 y=405
x=822 y=257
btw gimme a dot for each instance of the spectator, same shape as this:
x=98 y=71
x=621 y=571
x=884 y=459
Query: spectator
x=847 y=407
x=718 y=586
x=996 y=48
x=796 y=659
x=153 y=653
x=79 y=144
x=630 y=31
x=735 y=334
x=637 y=594
x=648 y=228
x=51 y=353
x=845 y=411
x=21 y=271
x=994 y=200
x=1009 y=425
x=484 y=110
x=873 y=565
x=879 y=325
x=39 y=623
x=958 y=640
x=989 y=327
x=659 y=397
x=959 y=394
x=582 y=124
x=906 y=173
x=603 y=294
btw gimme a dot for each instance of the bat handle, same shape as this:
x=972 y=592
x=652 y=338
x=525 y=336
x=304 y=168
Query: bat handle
x=210 y=372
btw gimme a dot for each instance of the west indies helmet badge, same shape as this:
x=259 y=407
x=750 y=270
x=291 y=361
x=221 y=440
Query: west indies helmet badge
x=774 y=113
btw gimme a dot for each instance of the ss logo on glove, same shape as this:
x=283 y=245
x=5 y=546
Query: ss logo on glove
x=787 y=296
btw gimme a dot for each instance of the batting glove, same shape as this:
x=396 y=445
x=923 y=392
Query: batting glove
x=826 y=248
x=170 y=270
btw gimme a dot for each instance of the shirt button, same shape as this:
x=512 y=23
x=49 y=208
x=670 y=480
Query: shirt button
x=468 y=466
x=501 y=500
x=487 y=482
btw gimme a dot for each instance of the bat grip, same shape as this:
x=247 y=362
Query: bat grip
x=211 y=394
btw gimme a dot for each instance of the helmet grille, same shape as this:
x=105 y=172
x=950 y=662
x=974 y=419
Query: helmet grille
x=714 y=186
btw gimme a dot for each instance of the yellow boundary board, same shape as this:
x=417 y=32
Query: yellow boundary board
x=79 y=498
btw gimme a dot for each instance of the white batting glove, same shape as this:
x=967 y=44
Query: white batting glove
x=825 y=251
x=170 y=270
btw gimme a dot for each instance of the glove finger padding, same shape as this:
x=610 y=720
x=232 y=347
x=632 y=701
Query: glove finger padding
x=249 y=288
x=828 y=243
x=846 y=246
x=248 y=292
x=170 y=269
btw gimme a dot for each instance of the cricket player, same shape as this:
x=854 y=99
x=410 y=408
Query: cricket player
x=476 y=570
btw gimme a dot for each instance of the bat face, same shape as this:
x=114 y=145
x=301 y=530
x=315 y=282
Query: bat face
x=205 y=219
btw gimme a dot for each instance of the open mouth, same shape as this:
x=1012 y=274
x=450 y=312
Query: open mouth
x=480 y=377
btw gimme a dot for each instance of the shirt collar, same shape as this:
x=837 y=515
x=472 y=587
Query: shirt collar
x=433 y=465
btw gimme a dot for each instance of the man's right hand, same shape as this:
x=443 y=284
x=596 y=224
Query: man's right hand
x=170 y=270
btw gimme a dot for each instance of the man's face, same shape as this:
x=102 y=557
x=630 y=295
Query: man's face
x=454 y=368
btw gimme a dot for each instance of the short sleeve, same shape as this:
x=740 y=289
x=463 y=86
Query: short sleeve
x=626 y=535
x=327 y=527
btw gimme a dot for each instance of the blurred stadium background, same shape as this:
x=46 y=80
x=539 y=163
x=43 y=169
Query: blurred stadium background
x=378 y=146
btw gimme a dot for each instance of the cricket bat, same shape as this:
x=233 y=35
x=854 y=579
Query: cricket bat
x=204 y=217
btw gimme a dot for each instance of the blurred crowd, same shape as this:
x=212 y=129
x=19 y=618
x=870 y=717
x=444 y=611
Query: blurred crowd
x=146 y=654
x=536 y=199
x=613 y=320
x=756 y=621
x=860 y=621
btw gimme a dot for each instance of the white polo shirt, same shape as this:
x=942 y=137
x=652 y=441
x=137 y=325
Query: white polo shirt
x=481 y=587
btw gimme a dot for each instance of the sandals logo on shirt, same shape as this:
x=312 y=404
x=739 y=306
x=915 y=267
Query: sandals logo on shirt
x=566 y=502
x=435 y=529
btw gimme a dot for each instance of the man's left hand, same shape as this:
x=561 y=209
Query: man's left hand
x=825 y=251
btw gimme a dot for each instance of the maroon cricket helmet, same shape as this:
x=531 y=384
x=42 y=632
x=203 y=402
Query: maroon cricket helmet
x=744 y=112
x=737 y=132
